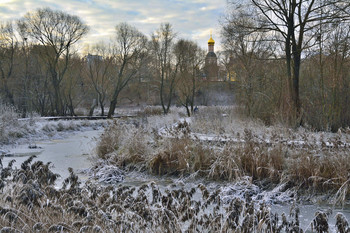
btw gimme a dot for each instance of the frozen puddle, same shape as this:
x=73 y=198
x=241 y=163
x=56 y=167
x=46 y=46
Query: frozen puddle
x=74 y=151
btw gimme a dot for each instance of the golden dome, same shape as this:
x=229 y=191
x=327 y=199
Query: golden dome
x=211 y=41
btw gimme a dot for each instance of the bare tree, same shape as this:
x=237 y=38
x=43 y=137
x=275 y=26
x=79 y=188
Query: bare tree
x=128 y=51
x=225 y=59
x=337 y=59
x=189 y=57
x=58 y=32
x=97 y=69
x=39 y=75
x=73 y=88
x=292 y=22
x=162 y=41
x=8 y=48
x=246 y=49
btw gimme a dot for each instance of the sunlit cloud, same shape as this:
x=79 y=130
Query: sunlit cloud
x=191 y=19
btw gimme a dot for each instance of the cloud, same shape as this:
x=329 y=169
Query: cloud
x=192 y=19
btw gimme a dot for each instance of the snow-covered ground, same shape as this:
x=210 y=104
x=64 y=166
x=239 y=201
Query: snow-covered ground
x=29 y=131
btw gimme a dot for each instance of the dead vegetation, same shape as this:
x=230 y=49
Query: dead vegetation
x=30 y=203
x=317 y=162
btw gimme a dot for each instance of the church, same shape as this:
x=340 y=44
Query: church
x=211 y=68
x=214 y=72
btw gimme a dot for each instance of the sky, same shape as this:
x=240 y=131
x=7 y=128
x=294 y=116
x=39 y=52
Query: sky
x=191 y=19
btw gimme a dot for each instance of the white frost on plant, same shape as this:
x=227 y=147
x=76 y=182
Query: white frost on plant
x=109 y=174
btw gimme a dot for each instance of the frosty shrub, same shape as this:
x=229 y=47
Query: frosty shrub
x=9 y=125
x=8 y=115
x=124 y=144
x=67 y=126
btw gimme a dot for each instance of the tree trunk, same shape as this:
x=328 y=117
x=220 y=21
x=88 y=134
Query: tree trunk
x=161 y=93
x=297 y=103
x=188 y=110
x=112 y=108
x=57 y=97
x=92 y=108
x=9 y=95
x=102 y=108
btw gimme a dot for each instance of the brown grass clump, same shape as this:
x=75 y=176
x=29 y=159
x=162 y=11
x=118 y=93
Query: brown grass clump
x=124 y=144
x=248 y=159
x=132 y=147
x=252 y=158
x=181 y=156
x=328 y=171
x=110 y=140
x=225 y=165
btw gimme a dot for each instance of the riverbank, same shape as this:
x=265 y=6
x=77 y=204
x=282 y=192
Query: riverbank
x=31 y=130
x=218 y=145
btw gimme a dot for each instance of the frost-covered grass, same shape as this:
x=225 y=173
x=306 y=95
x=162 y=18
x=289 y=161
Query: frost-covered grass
x=226 y=121
x=27 y=131
x=9 y=125
x=30 y=203
x=168 y=145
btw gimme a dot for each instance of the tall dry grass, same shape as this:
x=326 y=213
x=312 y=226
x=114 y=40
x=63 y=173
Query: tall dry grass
x=30 y=203
x=305 y=159
x=179 y=156
x=124 y=144
x=322 y=172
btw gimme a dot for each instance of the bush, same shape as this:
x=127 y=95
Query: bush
x=9 y=125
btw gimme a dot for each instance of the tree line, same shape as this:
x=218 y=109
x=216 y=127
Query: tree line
x=292 y=58
x=42 y=71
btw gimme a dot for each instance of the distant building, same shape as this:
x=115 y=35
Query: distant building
x=91 y=58
x=214 y=72
x=211 y=68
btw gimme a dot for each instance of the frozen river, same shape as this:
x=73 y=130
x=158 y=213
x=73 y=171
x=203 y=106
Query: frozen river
x=73 y=151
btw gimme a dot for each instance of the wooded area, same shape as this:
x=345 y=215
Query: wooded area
x=290 y=60
x=42 y=71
